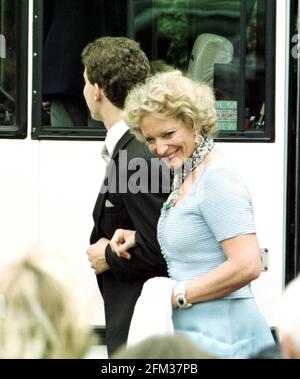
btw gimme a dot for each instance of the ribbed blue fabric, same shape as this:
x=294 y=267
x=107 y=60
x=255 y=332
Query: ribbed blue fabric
x=218 y=206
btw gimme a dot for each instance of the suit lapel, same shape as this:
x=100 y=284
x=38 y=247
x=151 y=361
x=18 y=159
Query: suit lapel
x=110 y=172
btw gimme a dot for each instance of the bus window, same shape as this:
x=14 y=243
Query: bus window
x=63 y=30
x=13 y=68
x=227 y=44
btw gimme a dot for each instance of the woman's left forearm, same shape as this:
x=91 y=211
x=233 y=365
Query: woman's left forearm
x=242 y=265
x=220 y=282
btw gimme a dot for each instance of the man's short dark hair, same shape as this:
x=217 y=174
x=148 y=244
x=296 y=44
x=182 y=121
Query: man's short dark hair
x=116 y=64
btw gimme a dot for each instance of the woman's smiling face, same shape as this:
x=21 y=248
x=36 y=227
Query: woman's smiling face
x=170 y=139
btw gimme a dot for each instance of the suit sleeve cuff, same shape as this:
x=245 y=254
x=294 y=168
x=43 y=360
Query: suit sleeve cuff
x=110 y=255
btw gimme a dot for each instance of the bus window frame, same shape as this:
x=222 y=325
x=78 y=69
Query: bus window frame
x=292 y=242
x=268 y=134
x=19 y=130
x=38 y=131
x=60 y=133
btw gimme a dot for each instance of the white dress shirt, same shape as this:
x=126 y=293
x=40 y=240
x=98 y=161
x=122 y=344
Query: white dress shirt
x=114 y=134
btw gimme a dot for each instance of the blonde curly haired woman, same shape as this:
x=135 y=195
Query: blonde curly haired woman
x=206 y=230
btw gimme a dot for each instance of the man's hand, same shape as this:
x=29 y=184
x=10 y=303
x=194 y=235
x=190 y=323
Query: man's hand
x=96 y=255
x=121 y=241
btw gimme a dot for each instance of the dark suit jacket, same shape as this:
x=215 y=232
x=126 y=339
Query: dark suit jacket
x=122 y=284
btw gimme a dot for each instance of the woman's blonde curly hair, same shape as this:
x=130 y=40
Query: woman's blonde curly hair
x=170 y=94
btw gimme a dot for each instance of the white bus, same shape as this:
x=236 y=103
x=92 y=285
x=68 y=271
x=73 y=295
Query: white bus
x=51 y=173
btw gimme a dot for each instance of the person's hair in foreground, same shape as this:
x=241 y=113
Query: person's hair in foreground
x=162 y=347
x=43 y=317
x=289 y=320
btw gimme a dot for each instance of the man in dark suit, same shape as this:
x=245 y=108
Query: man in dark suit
x=113 y=65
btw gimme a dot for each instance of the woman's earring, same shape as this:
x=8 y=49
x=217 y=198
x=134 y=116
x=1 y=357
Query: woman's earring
x=198 y=139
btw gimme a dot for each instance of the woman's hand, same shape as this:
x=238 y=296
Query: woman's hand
x=122 y=241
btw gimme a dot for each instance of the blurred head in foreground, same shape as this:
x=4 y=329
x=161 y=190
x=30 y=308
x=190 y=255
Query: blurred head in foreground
x=289 y=320
x=41 y=316
x=162 y=347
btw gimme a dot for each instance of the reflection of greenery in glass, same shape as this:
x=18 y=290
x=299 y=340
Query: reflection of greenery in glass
x=177 y=24
x=251 y=29
x=174 y=25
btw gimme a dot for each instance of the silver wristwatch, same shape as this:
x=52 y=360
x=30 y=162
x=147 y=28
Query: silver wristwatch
x=179 y=293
